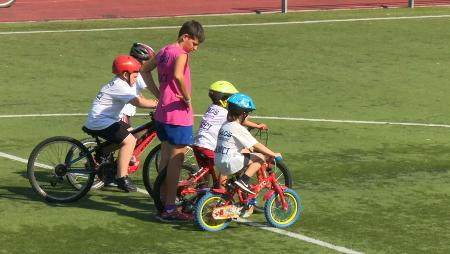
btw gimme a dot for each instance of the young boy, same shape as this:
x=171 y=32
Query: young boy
x=103 y=119
x=143 y=53
x=236 y=146
x=215 y=116
x=174 y=116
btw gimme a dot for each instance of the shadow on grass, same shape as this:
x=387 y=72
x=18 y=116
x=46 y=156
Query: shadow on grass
x=123 y=204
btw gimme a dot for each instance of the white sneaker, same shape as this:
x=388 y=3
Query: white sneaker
x=245 y=186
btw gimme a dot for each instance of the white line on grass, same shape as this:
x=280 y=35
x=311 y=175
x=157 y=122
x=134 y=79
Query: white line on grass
x=268 y=117
x=228 y=25
x=261 y=226
x=41 y=115
x=300 y=237
x=12 y=157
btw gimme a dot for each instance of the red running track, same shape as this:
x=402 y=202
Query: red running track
x=41 y=10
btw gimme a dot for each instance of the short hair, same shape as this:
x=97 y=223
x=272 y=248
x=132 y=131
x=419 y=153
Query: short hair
x=194 y=29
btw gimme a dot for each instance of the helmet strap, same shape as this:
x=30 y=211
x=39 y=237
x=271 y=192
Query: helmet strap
x=243 y=117
x=223 y=103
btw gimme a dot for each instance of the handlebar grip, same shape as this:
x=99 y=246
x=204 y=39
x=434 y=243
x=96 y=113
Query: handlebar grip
x=278 y=158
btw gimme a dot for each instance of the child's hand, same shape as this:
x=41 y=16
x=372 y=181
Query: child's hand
x=262 y=126
x=187 y=101
x=155 y=103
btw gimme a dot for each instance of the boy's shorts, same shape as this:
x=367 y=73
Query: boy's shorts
x=233 y=164
x=204 y=157
x=115 y=133
x=174 y=134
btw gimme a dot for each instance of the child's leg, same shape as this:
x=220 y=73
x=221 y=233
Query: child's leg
x=125 y=154
x=255 y=161
x=164 y=155
x=175 y=161
x=205 y=160
x=222 y=181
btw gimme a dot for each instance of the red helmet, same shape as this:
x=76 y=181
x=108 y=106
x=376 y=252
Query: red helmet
x=125 y=63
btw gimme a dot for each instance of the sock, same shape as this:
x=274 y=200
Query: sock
x=245 y=178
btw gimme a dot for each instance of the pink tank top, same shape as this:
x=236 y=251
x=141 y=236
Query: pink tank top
x=170 y=109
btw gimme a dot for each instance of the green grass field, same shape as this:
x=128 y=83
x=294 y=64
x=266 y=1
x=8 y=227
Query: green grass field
x=370 y=188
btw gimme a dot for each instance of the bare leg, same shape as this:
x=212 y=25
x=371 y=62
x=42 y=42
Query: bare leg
x=254 y=164
x=176 y=158
x=125 y=153
x=164 y=155
x=222 y=181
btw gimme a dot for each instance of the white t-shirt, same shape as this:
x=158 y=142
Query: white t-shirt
x=108 y=103
x=232 y=138
x=214 y=117
x=129 y=109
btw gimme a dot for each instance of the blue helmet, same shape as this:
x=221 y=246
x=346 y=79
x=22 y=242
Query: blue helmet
x=240 y=103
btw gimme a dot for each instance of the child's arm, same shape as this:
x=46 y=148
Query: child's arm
x=143 y=102
x=180 y=64
x=146 y=73
x=250 y=124
x=258 y=147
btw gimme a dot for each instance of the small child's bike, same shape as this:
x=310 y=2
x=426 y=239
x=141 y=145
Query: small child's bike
x=216 y=209
x=194 y=182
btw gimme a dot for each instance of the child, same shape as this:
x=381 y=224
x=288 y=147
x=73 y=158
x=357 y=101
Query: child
x=103 y=119
x=142 y=53
x=236 y=146
x=214 y=117
x=174 y=116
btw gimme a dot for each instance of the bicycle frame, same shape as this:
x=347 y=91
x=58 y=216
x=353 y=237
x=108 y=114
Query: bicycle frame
x=265 y=180
x=142 y=142
x=195 y=178
x=149 y=134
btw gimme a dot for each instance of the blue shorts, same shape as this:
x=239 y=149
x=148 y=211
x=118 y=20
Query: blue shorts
x=174 y=134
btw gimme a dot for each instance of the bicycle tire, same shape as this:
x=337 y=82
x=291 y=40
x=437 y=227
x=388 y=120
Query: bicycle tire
x=151 y=168
x=49 y=164
x=275 y=214
x=203 y=213
x=283 y=176
x=159 y=184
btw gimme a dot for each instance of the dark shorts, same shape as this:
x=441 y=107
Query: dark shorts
x=115 y=133
x=174 y=134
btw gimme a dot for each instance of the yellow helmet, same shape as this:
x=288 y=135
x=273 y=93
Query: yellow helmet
x=219 y=92
x=223 y=86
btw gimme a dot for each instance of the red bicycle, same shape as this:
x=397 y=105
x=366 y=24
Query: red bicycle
x=194 y=182
x=216 y=209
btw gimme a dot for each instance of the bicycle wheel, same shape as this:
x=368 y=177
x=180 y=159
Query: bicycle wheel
x=89 y=143
x=283 y=177
x=53 y=161
x=276 y=215
x=151 y=166
x=159 y=191
x=204 y=210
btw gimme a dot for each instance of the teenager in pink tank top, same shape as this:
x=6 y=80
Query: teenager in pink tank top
x=174 y=117
x=171 y=108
